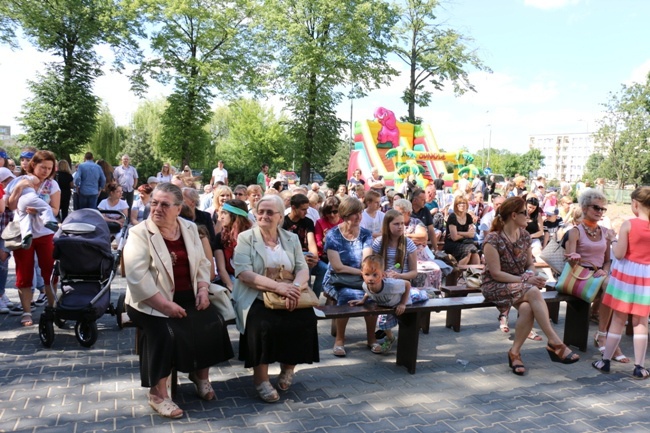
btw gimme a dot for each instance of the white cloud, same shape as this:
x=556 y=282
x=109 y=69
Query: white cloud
x=550 y=4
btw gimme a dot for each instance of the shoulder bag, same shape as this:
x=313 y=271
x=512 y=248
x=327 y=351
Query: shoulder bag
x=346 y=280
x=274 y=301
x=579 y=281
x=11 y=236
x=553 y=254
x=220 y=298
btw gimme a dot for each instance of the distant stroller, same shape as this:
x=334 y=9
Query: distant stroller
x=84 y=266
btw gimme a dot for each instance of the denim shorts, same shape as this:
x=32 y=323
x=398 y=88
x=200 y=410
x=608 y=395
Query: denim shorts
x=345 y=294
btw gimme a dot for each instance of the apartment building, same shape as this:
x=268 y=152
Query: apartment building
x=565 y=155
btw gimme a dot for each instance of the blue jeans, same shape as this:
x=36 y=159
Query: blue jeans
x=319 y=272
x=87 y=201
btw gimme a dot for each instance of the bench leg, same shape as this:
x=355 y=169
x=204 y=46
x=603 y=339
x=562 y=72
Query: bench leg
x=554 y=311
x=576 y=324
x=425 y=322
x=331 y=301
x=453 y=319
x=407 y=341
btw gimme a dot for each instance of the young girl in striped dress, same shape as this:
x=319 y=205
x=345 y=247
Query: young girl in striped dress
x=628 y=291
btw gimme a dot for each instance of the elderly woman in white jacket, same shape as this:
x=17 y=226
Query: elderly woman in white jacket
x=167 y=297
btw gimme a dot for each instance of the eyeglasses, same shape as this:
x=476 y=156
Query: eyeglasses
x=598 y=208
x=240 y=194
x=163 y=204
x=266 y=212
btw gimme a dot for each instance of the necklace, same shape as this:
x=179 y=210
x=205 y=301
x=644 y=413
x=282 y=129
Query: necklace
x=592 y=233
x=508 y=237
x=174 y=236
x=269 y=241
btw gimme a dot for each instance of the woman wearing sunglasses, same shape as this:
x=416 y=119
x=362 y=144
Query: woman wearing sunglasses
x=589 y=246
x=330 y=219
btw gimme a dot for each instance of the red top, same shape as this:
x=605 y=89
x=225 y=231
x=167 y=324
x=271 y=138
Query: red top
x=320 y=230
x=181 y=265
x=638 y=246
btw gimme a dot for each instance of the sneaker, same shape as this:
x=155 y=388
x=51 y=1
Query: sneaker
x=387 y=344
x=4 y=309
x=52 y=225
x=41 y=300
x=17 y=310
x=7 y=301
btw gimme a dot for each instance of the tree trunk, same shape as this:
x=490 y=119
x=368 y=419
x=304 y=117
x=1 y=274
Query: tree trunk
x=310 y=133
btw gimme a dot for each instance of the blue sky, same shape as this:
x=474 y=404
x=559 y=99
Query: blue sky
x=554 y=63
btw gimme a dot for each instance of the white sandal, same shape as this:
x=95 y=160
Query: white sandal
x=166 y=408
x=203 y=387
x=26 y=319
x=285 y=379
x=267 y=393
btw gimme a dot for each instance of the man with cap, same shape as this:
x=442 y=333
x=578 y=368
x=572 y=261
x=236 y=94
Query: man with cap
x=88 y=182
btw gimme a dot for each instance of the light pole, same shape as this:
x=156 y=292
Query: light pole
x=489 y=145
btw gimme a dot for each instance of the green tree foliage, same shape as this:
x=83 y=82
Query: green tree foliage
x=336 y=171
x=107 y=140
x=70 y=30
x=147 y=118
x=593 y=167
x=319 y=47
x=435 y=55
x=245 y=135
x=623 y=135
x=61 y=115
x=201 y=45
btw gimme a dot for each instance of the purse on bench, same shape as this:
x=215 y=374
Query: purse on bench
x=276 y=302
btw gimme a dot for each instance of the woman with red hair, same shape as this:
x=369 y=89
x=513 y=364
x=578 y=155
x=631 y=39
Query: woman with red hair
x=233 y=217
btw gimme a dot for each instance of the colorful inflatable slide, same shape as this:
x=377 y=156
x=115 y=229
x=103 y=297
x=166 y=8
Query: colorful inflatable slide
x=369 y=153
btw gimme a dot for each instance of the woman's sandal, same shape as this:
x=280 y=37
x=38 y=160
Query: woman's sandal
x=267 y=393
x=285 y=379
x=640 y=373
x=339 y=351
x=555 y=352
x=26 y=319
x=166 y=408
x=534 y=336
x=375 y=348
x=518 y=368
x=601 y=365
x=503 y=323
x=203 y=388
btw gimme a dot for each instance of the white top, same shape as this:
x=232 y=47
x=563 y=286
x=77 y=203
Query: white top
x=162 y=178
x=121 y=205
x=219 y=174
x=390 y=294
x=47 y=188
x=126 y=177
x=276 y=257
x=372 y=224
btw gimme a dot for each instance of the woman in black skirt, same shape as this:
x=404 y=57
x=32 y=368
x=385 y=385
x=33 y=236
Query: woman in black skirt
x=167 y=297
x=272 y=335
x=461 y=232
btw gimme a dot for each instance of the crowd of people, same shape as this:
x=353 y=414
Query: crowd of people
x=362 y=241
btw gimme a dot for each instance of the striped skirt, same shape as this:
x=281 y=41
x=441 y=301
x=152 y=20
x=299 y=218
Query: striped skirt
x=628 y=290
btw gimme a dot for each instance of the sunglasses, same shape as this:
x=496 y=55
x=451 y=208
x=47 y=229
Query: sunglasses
x=267 y=212
x=523 y=212
x=598 y=208
x=239 y=193
x=332 y=212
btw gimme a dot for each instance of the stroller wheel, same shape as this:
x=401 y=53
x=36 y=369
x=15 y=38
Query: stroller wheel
x=46 y=331
x=86 y=332
x=119 y=310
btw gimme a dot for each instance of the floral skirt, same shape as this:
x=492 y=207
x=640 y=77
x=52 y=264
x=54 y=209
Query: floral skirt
x=504 y=295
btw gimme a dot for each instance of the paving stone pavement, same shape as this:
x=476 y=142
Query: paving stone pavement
x=72 y=389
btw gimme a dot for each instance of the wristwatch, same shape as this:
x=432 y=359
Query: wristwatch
x=297 y=285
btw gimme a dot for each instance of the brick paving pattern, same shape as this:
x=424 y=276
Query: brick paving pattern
x=71 y=389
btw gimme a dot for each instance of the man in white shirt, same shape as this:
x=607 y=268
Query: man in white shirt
x=219 y=174
x=463 y=183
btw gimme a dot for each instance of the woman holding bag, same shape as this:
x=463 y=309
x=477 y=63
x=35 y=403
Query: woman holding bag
x=509 y=281
x=287 y=336
x=588 y=245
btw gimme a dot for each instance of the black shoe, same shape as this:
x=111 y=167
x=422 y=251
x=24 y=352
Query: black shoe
x=52 y=225
x=380 y=334
x=17 y=310
x=27 y=242
x=41 y=300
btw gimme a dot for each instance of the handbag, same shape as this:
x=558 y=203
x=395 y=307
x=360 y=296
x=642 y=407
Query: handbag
x=579 y=281
x=553 y=254
x=473 y=278
x=346 y=280
x=12 y=237
x=220 y=298
x=274 y=301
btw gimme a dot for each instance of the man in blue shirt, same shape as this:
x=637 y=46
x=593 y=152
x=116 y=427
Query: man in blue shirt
x=89 y=181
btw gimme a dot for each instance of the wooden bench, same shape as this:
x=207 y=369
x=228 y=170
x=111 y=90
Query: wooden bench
x=576 y=325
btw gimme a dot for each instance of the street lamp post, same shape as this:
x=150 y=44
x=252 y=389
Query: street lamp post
x=489 y=145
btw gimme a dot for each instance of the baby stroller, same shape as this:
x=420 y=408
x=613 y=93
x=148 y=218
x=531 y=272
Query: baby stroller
x=84 y=266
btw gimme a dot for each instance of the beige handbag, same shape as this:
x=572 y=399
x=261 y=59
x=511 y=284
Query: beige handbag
x=274 y=301
x=220 y=298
